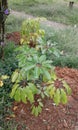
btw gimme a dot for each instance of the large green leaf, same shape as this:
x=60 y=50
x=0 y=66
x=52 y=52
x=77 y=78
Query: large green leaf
x=15 y=76
x=51 y=91
x=57 y=97
x=63 y=97
x=42 y=58
x=39 y=108
x=30 y=95
x=29 y=67
x=47 y=62
x=33 y=88
x=23 y=96
x=17 y=96
x=36 y=72
x=13 y=90
x=33 y=110
x=36 y=111
x=46 y=74
x=53 y=76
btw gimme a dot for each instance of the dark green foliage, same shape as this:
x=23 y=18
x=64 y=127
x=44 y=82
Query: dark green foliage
x=7 y=65
x=69 y=61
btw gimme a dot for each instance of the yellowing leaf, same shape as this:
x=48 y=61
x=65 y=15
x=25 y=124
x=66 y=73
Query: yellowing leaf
x=57 y=97
x=4 y=77
x=13 y=115
x=33 y=110
x=53 y=75
x=36 y=111
x=52 y=92
x=63 y=97
x=21 y=41
x=15 y=76
x=39 y=108
x=13 y=90
x=1 y=83
x=17 y=96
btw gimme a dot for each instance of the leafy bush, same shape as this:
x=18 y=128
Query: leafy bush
x=31 y=32
x=35 y=79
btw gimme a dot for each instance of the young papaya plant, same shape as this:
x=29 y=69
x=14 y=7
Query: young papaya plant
x=35 y=79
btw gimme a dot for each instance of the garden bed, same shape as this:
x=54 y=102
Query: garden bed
x=62 y=117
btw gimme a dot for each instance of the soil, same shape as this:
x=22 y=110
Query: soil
x=62 y=117
x=14 y=36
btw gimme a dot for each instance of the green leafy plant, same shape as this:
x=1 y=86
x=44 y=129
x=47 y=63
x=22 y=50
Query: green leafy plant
x=30 y=32
x=35 y=79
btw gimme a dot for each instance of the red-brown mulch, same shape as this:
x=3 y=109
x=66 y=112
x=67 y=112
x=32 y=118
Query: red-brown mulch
x=14 y=36
x=62 y=117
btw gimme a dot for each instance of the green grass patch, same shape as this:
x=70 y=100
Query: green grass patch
x=67 y=42
x=13 y=23
x=52 y=10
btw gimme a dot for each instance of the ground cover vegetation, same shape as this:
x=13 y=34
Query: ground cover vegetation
x=51 y=9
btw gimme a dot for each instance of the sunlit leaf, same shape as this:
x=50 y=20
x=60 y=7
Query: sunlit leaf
x=13 y=90
x=41 y=104
x=39 y=108
x=14 y=76
x=46 y=74
x=42 y=58
x=57 y=97
x=17 y=96
x=36 y=111
x=29 y=67
x=53 y=75
x=63 y=97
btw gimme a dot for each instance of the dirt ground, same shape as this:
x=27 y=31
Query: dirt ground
x=62 y=117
